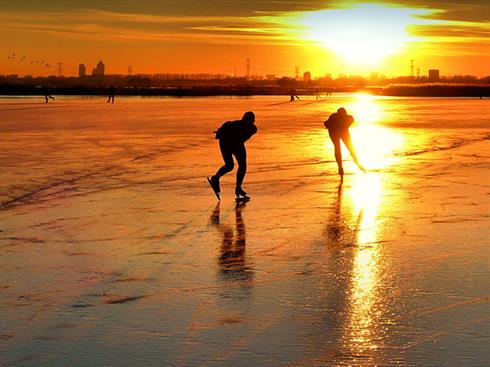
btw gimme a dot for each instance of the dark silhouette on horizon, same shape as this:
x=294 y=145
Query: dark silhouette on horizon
x=338 y=128
x=47 y=95
x=293 y=95
x=112 y=94
x=318 y=95
x=232 y=136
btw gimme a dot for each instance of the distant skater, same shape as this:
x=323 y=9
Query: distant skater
x=112 y=94
x=232 y=136
x=47 y=95
x=318 y=96
x=338 y=128
x=293 y=95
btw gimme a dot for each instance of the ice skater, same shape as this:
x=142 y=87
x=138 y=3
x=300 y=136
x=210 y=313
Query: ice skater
x=232 y=136
x=293 y=95
x=112 y=94
x=338 y=128
x=47 y=95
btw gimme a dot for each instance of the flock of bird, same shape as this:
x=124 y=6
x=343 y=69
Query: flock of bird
x=14 y=57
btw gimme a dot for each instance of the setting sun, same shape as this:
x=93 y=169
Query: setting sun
x=244 y=183
x=363 y=34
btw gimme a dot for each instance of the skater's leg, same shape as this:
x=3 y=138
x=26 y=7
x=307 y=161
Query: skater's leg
x=338 y=153
x=346 y=138
x=241 y=159
x=226 y=152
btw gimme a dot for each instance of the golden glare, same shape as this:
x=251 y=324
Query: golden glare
x=363 y=34
x=366 y=195
x=375 y=144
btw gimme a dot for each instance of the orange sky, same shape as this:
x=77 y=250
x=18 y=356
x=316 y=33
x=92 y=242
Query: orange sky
x=213 y=36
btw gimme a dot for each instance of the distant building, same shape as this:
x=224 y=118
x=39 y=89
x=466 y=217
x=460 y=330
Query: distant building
x=99 y=69
x=433 y=75
x=307 y=76
x=374 y=76
x=271 y=77
x=82 y=71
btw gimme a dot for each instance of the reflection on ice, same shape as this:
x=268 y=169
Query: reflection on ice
x=366 y=194
x=375 y=143
x=366 y=109
x=355 y=227
x=232 y=261
x=102 y=209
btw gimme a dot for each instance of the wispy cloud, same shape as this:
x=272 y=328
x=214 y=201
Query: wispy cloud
x=261 y=28
x=451 y=32
x=109 y=25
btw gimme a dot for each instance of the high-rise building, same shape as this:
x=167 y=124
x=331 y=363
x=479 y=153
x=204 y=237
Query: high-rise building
x=99 y=69
x=433 y=75
x=82 y=70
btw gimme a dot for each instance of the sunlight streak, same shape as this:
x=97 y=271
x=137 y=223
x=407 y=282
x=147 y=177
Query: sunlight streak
x=366 y=196
x=375 y=144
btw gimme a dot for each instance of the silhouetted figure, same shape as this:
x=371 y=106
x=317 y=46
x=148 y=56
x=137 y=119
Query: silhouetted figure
x=338 y=128
x=47 y=95
x=317 y=94
x=232 y=136
x=293 y=95
x=112 y=94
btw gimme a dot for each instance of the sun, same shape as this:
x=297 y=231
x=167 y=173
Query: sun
x=361 y=35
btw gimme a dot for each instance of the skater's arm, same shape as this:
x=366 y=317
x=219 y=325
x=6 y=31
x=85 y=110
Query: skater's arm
x=349 y=120
x=249 y=131
x=328 y=123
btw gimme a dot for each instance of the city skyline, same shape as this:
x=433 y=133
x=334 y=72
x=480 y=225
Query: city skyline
x=83 y=70
x=277 y=36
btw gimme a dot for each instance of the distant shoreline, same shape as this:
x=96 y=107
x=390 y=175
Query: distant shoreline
x=426 y=90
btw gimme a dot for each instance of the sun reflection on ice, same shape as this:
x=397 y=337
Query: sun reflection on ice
x=366 y=196
x=375 y=144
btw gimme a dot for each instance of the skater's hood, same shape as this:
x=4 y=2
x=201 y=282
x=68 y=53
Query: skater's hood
x=342 y=111
x=249 y=117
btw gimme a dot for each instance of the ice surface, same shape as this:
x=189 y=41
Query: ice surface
x=114 y=250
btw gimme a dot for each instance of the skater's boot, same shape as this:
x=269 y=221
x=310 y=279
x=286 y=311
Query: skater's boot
x=214 y=183
x=241 y=195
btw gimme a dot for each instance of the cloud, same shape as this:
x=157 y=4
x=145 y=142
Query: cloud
x=269 y=22
x=475 y=32
x=104 y=25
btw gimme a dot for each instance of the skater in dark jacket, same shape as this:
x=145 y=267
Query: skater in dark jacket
x=338 y=128
x=112 y=94
x=232 y=136
x=47 y=95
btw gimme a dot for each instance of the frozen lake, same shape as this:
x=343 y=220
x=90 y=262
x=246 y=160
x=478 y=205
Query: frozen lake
x=114 y=250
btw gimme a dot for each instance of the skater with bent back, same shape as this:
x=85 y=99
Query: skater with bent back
x=338 y=128
x=232 y=136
